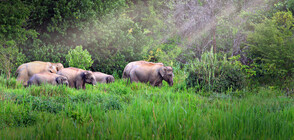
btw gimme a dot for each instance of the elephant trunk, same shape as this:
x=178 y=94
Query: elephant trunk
x=94 y=82
x=66 y=83
x=171 y=83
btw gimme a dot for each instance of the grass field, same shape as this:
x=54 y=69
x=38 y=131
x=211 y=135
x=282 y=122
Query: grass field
x=139 y=111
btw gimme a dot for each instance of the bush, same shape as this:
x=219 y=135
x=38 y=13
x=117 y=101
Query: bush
x=166 y=53
x=272 y=47
x=215 y=73
x=79 y=58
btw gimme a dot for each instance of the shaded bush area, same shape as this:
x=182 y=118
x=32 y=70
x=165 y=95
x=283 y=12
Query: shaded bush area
x=271 y=47
x=214 y=72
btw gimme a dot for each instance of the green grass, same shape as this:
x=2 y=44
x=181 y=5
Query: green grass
x=139 y=111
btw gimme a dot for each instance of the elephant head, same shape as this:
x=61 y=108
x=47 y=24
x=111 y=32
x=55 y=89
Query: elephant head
x=62 y=80
x=58 y=66
x=167 y=74
x=52 y=69
x=89 y=77
x=109 y=79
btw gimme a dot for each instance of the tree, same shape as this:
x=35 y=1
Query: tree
x=79 y=58
x=13 y=32
x=272 y=46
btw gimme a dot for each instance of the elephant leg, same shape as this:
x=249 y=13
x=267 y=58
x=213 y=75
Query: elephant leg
x=78 y=85
x=84 y=86
x=134 y=78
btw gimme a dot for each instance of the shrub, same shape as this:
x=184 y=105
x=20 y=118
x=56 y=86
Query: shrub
x=272 y=47
x=79 y=58
x=165 y=53
x=215 y=73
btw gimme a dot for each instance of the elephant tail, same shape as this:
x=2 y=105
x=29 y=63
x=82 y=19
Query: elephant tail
x=20 y=69
x=124 y=75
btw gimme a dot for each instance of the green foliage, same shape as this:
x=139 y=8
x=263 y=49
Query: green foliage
x=116 y=40
x=50 y=53
x=272 y=47
x=12 y=33
x=63 y=21
x=166 y=53
x=214 y=73
x=79 y=58
x=13 y=18
x=290 y=5
x=12 y=115
x=9 y=83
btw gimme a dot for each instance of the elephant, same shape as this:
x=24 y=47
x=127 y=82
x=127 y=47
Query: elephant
x=47 y=77
x=25 y=71
x=131 y=65
x=58 y=66
x=154 y=73
x=103 y=78
x=77 y=78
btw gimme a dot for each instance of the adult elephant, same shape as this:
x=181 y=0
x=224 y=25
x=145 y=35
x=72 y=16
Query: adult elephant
x=154 y=73
x=47 y=77
x=131 y=65
x=103 y=78
x=26 y=71
x=77 y=78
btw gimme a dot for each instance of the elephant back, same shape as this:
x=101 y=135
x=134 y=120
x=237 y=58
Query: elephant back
x=37 y=67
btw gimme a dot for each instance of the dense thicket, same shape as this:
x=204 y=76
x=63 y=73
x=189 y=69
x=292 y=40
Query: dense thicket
x=259 y=33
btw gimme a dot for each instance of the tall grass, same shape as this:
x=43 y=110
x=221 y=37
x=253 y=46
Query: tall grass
x=139 y=111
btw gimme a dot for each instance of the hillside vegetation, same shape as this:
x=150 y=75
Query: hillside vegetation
x=233 y=63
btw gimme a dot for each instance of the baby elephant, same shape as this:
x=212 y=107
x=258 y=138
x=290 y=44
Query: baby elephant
x=103 y=78
x=47 y=77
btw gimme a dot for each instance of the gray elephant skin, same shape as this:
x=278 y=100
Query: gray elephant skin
x=49 y=78
x=148 y=72
x=77 y=78
x=103 y=78
x=25 y=71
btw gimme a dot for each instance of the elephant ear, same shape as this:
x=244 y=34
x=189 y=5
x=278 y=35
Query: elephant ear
x=59 y=66
x=59 y=80
x=52 y=69
x=162 y=71
x=109 y=79
x=87 y=74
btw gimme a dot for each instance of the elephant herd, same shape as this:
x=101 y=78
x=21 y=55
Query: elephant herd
x=39 y=72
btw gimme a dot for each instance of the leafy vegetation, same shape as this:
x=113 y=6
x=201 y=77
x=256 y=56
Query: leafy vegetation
x=79 y=58
x=271 y=46
x=215 y=73
x=232 y=60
